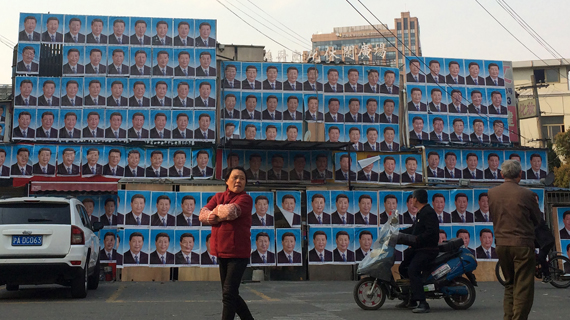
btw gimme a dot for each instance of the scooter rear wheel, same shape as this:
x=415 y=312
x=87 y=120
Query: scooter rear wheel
x=461 y=302
x=368 y=297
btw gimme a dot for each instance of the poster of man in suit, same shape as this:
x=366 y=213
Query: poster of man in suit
x=434 y=67
x=25 y=129
x=335 y=79
x=390 y=114
x=69 y=161
x=538 y=167
x=115 y=166
x=136 y=247
x=139 y=124
x=321 y=165
x=180 y=163
x=420 y=127
x=187 y=248
x=453 y=164
x=289 y=205
x=494 y=74
x=435 y=164
x=93 y=160
x=44 y=158
x=140 y=62
x=156 y=163
x=108 y=252
x=493 y=160
x=564 y=223
x=30 y=27
x=417 y=70
x=187 y=210
x=291 y=78
x=367 y=213
x=22 y=166
x=161 y=123
x=230 y=129
x=413 y=169
x=136 y=162
x=76 y=29
x=474 y=165
x=73 y=96
x=183 y=34
x=256 y=169
x=205 y=60
x=318 y=208
x=391 y=81
x=206 y=257
x=202 y=161
x=205 y=127
x=161 y=32
x=273 y=109
x=455 y=72
x=99 y=29
x=300 y=166
x=205 y=33
x=119 y=30
x=481 y=215
x=252 y=79
x=344 y=207
x=312 y=77
x=162 y=209
x=363 y=240
x=485 y=239
x=440 y=203
x=262 y=247
x=163 y=62
x=51 y=92
x=440 y=126
x=263 y=204
x=116 y=124
x=344 y=251
x=467 y=233
x=368 y=170
x=417 y=97
x=96 y=96
x=345 y=166
x=232 y=75
x=460 y=125
x=53 y=28
x=48 y=124
x=354 y=79
x=141 y=31
x=184 y=127
x=185 y=63
x=138 y=208
x=474 y=78
x=5 y=161
x=92 y=124
x=497 y=101
x=463 y=204
x=288 y=247
x=205 y=93
x=26 y=91
x=321 y=246
x=119 y=61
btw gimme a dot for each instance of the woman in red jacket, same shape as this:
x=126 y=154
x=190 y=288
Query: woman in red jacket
x=229 y=213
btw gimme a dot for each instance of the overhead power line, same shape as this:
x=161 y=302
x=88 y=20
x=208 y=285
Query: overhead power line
x=299 y=36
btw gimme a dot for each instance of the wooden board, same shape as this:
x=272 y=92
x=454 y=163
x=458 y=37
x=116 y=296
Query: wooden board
x=198 y=274
x=145 y=274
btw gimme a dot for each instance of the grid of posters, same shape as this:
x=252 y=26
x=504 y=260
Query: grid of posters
x=483 y=164
x=114 y=161
x=563 y=219
x=272 y=101
x=123 y=78
x=457 y=100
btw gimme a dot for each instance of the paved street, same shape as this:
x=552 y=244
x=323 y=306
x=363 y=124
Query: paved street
x=267 y=300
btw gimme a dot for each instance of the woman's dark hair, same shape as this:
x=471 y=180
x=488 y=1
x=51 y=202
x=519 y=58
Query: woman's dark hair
x=229 y=173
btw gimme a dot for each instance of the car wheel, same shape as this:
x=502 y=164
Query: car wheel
x=93 y=280
x=12 y=287
x=79 y=284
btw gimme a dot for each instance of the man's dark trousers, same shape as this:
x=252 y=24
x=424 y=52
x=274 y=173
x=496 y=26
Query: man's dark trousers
x=416 y=261
x=518 y=265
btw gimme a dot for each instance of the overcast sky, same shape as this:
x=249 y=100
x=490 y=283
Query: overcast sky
x=460 y=29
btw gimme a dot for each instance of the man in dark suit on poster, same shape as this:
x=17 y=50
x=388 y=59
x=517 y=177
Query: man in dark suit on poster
x=291 y=84
x=437 y=134
x=498 y=136
x=341 y=253
x=288 y=254
x=74 y=35
x=388 y=85
x=321 y=172
x=160 y=99
x=179 y=170
x=182 y=99
x=410 y=216
x=365 y=239
x=67 y=166
x=371 y=143
x=51 y=34
x=92 y=167
x=117 y=67
x=133 y=170
x=364 y=216
x=161 y=218
x=298 y=172
x=204 y=69
x=478 y=135
x=48 y=99
x=108 y=252
x=206 y=258
x=161 y=255
x=438 y=204
x=372 y=85
x=473 y=79
x=135 y=255
x=565 y=231
x=70 y=99
x=4 y=170
x=46 y=131
x=457 y=135
x=317 y=216
x=411 y=175
x=42 y=167
x=254 y=173
x=182 y=39
x=456 y=105
x=204 y=39
x=466 y=236
x=138 y=99
x=319 y=253
x=271 y=82
x=181 y=131
x=414 y=74
x=136 y=216
x=260 y=218
x=388 y=115
x=95 y=66
x=496 y=107
x=345 y=172
x=332 y=84
x=312 y=84
x=271 y=112
x=486 y=249
x=156 y=170
x=453 y=77
x=435 y=104
x=353 y=114
x=366 y=174
x=229 y=81
x=249 y=113
x=286 y=216
x=292 y=113
x=482 y=214
x=94 y=98
x=493 y=172
x=416 y=104
x=262 y=254
x=204 y=99
x=112 y=168
x=203 y=132
x=185 y=255
x=535 y=171
x=352 y=86
x=183 y=69
x=476 y=106
x=460 y=214
x=161 y=37
x=451 y=172
x=472 y=172
x=25 y=97
x=493 y=79
x=341 y=216
x=162 y=69
x=21 y=167
x=250 y=82
x=96 y=35
x=69 y=131
x=202 y=169
x=418 y=126
x=140 y=37
x=72 y=66
x=118 y=29
x=29 y=33
x=388 y=175
x=333 y=115
x=276 y=172
x=371 y=115
x=313 y=113
x=434 y=171
x=434 y=76
x=139 y=68
x=114 y=131
x=187 y=218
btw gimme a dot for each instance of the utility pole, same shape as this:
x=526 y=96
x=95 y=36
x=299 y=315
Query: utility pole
x=535 y=87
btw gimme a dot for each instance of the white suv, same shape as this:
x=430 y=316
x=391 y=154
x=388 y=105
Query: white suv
x=48 y=240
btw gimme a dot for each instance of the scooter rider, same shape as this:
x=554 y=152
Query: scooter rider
x=422 y=237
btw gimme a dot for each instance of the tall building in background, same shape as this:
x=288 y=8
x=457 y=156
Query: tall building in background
x=364 y=45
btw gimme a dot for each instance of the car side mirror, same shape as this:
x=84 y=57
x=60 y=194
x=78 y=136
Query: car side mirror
x=96 y=226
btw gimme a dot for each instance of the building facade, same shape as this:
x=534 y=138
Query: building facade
x=554 y=99
x=364 y=45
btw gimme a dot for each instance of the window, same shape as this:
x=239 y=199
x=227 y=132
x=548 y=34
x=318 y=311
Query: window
x=399 y=26
x=35 y=213
x=405 y=23
x=546 y=75
x=552 y=75
x=413 y=25
x=551 y=126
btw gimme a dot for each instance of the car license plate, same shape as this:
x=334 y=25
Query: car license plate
x=27 y=240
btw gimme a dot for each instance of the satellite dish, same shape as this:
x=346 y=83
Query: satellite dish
x=549 y=180
x=307 y=136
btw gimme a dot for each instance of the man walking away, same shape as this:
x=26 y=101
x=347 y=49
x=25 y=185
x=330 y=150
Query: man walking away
x=515 y=213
